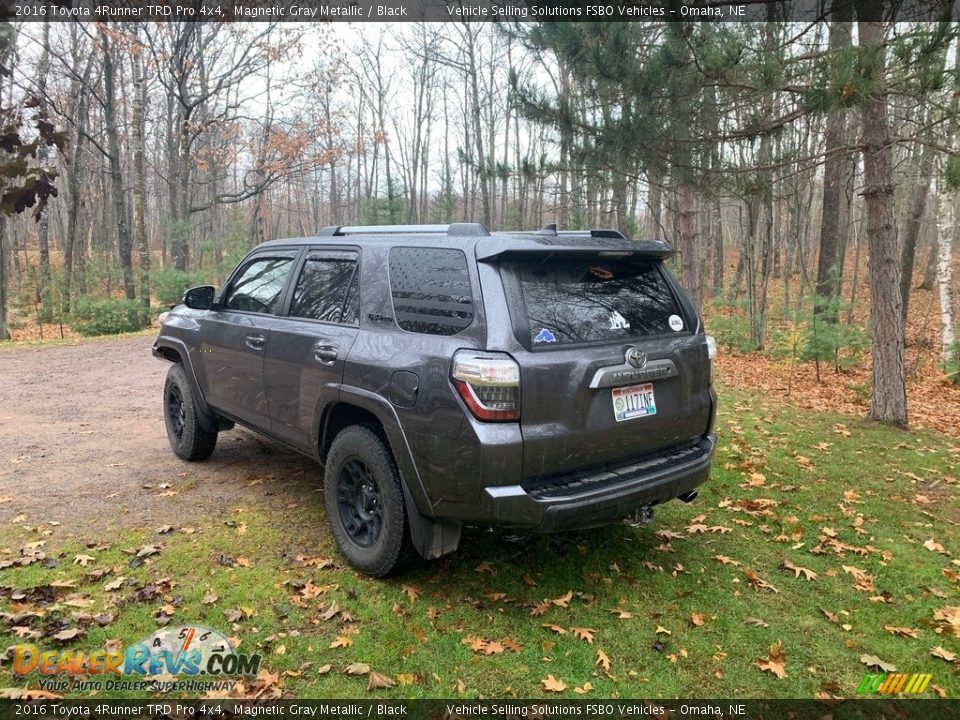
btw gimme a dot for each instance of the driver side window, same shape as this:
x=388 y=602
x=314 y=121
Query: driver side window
x=259 y=286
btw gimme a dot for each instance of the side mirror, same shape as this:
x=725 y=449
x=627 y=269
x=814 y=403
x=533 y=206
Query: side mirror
x=199 y=298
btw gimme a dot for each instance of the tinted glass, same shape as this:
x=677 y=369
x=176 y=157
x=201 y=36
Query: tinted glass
x=324 y=291
x=589 y=300
x=259 y=287
x=431 y=290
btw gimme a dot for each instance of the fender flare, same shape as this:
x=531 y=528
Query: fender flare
x=431 y=536
x=207 y=418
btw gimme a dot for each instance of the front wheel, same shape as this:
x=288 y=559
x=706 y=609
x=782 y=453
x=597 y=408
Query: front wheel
x=187 y=437
x=364 y=502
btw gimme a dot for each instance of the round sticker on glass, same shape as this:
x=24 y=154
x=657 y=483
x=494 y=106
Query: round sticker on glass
x=676 y=324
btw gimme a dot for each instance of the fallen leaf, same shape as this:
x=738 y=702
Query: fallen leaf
x=540 y=609
x=357 y=669
x=798 y=571
x=758 y=582
x=115 y=584
x=316 y=562
x=69 y=634
x=872 y=661
x=551 y=684
x=82 y=560
x=661 y=630
x=585 y=634
x=698 y=619
x=406 y=678
x=901 y=631
x=727 y=560
x=585 y=688
x=412 y=592
x=757 y=622
x=621 y=614
x=934 y=546
x=485 y=567
x=512 y=645
x=148 y=550
x=342 y=641
x=602 y=661
x=830 y=616
x=210 y=598
x=564 y=600
x=375 y=681
x=943 y=654
x=776 y=662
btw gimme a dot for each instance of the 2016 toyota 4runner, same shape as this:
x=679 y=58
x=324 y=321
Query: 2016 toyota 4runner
x=446 y=375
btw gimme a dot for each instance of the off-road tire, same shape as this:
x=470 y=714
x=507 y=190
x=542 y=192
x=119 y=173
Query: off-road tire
x=364 y=502
x=187 y=437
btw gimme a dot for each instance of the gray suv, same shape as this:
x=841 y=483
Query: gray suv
x=446 y=375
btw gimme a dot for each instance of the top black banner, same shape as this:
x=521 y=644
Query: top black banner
x=477 y=10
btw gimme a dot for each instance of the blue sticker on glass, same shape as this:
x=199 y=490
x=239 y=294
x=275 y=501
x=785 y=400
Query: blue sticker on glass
x=545 y=336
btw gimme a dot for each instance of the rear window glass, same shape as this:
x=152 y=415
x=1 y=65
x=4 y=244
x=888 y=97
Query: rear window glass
x=431 y=290
x=582 y=300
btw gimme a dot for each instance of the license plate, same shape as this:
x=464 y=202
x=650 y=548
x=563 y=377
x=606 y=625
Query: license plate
x=633 y=401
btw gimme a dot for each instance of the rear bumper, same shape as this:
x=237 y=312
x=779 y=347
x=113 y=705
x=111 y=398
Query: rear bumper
x=600 y=498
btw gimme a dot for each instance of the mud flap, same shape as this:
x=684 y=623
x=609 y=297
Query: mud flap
x=431 y=538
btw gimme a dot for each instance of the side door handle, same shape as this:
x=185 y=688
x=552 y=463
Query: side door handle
x=325 y=354
x=255 y=342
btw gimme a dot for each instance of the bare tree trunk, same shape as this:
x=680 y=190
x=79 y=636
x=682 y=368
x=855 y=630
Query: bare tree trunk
x=7 y=41
x=654 y=205
x=688 y=242
x=889 y=401
x=918 y=205
x=716 y=222
x=43 y=153
x=116 y=170
x=4 y=278
x=948 y=205
x=836 y=172
x=140 y=179
x=484 y=171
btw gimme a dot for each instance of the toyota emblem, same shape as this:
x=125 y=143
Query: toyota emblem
x=636 y=357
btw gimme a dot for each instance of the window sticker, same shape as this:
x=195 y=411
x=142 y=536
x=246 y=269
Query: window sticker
x=619 y=322
x=545 y=336
x=676 y=323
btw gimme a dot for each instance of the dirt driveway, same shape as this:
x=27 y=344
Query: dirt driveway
x=82 y=443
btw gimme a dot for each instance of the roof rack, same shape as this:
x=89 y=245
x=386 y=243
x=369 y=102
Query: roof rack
x=461 y=229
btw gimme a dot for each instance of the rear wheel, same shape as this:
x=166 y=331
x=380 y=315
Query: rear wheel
x=187 y=437
x=364 y=502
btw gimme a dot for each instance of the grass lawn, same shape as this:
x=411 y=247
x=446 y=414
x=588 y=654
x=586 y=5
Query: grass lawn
x=702 y=604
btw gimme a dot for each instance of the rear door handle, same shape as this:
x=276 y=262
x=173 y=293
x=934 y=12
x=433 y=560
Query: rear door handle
x=255 y=341
x=325 y=354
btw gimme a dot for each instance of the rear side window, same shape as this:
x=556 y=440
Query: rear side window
x=583 y=300
x=327 y=290
x=431 y=290
x=259 y=286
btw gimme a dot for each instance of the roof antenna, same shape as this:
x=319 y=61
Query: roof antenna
x=548 y=229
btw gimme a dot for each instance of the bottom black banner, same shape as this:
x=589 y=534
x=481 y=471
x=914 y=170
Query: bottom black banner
x=886 y=709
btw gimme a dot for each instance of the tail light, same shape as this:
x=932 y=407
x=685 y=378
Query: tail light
x=489 y=384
